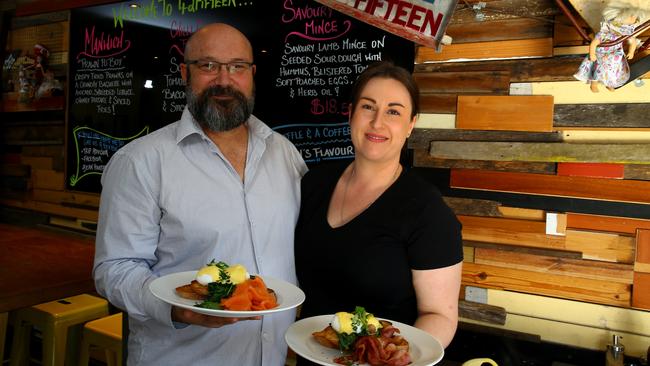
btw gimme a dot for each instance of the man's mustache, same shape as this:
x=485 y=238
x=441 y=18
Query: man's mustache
x=221 y=91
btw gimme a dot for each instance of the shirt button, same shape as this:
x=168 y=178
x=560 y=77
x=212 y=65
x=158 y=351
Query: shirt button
x=266 y=336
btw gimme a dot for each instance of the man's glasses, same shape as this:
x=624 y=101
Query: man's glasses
x=213 y=67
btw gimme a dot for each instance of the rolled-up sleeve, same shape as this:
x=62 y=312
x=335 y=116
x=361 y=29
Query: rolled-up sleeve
x=127 y=237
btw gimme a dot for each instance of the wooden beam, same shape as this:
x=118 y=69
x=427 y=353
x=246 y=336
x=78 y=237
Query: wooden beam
x=576 y=92
x=512 y=113
x=477 y=82
x=522 y=250
x=522 y=70
x=593 y=170
x=602 y=115
x=421 y=138
x=640 y=172
x=539 y=47
x=522 y=213
x=580 y=187
x=623 y=225
x=465 y=206
x=567 y=287
x=642 y=261
x=439 y=103
x=641 y=293
x=421 y=158
x=541 y=152
x=601 y=246
x=500 y=30
x=609 y=136
x=481 y=312
x=615 y=272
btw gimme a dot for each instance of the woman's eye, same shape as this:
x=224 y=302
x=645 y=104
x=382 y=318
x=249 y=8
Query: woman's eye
x=394 y=112
x=367 y=107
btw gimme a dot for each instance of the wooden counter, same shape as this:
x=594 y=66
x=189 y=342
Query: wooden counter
x=40 y=265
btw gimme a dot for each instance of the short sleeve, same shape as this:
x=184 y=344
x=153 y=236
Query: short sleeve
x=435 y=240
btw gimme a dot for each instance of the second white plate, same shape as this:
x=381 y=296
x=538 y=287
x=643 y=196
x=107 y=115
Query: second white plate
x=289 y=296
x=425 y=350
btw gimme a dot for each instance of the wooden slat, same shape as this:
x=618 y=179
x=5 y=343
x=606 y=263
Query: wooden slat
x=485 y=82
x=421 y=158
x=513 y=113
x=438 y=103
x=524 y=70
x=576 y=92
x=468 y=254
x=51 y=208
x=466 y=206
x=48 y=179
x=542 y=152
x=523 y=250
x=641 y=293
x=615 y=272
x=568 y=287
x=640 y=172
x=499 y=30
x=642 y=248
x=609 y=136
x=565 y=34
x=73 y=199
x=433 y=120
x=624 y=225
x=494 y=11
x=540 y=47
x=580 y=187
x=594 y=170
x=481 y=312
x=421 y=138
x=602 y=115
x=522 y=213
x=601 y=246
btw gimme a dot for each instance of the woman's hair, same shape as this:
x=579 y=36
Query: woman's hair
x=386 y=70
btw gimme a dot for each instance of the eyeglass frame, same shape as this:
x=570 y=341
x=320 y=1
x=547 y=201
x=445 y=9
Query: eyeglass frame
x=229 y=66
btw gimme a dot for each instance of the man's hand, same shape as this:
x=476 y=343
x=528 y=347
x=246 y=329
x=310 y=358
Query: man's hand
x=190 y=317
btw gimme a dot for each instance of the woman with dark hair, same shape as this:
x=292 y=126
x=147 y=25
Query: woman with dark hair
x=373 y=234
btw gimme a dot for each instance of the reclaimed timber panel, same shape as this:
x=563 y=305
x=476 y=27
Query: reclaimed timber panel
x=623 y=225
x=567 y=287
x=466 y=206
x=591 y=11
x=540 y=47
x=615 y=272
x=486 y=82
x=420 y=138
x=523 y=70
x=579 y=187
x=436 y=120
x=565 y=34
x=525 y=250
x=512 y=113
x=606 y=136
x=51 y=208
x=48 y=179
x=53 y=35
x=500 y=30
x=38 y=162
x=494 y=12
x=525 y=233
x=542 y=152
x=572 y=50
x=438 y=103
x=641 y=290
x=468 y=254
x=591 y=315
x=421 y=158
x=72 y=199
x=602 y=115
x=640 y=172
x=642 y=261
x=481 y=312
x=594 y=170
x=576 y=92
x=601 y=246
x=522 y=213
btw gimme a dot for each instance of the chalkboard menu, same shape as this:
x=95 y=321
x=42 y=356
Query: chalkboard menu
x=125 y=75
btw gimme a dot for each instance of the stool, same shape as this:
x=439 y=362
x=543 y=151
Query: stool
x=106 y=333
x=54 y=318
x=4 y=317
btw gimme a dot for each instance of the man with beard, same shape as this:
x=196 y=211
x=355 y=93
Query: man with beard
x=217 y=184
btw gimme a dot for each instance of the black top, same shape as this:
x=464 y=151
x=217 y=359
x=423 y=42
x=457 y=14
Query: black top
x=367 y=262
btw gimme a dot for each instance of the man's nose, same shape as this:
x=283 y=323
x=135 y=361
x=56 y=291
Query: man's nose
x=222 y=76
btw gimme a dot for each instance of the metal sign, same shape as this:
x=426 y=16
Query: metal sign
x=421 y=21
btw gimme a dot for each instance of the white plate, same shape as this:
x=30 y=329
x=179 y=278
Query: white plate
x=164 y=288
x=424 y=349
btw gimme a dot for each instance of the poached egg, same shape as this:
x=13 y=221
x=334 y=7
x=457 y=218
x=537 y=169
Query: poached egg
x=344 y=322
x=212 y=273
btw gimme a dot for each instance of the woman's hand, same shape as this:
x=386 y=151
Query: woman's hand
x=190 y=317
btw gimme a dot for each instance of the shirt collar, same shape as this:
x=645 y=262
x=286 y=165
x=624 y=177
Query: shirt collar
x=189 y=126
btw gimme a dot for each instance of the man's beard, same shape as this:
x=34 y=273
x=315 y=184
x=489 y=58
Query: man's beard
x=219 y=115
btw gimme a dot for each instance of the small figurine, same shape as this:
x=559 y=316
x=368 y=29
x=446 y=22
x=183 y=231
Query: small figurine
x=608 y=65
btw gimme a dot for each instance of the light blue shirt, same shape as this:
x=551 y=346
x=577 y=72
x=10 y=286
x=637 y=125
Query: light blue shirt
x=171 y=202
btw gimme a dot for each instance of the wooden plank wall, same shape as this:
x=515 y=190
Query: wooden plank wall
x=504 y=160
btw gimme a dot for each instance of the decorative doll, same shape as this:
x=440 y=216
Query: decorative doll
x=608 y=65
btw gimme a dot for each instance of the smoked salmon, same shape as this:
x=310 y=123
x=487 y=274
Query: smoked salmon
x=251 y=294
